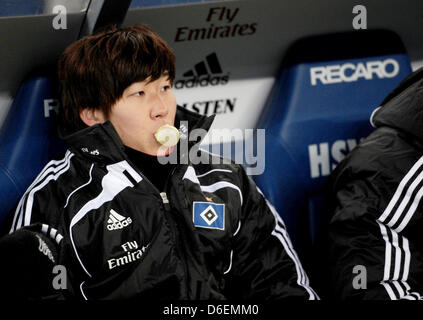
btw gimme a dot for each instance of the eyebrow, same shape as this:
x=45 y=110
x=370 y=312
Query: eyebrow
x=164 y=74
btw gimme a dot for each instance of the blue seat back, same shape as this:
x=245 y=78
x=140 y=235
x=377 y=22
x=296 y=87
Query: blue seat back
x=318 y=110
x=28 y=139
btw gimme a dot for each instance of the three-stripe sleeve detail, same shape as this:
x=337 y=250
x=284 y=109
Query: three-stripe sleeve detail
x=392 y=222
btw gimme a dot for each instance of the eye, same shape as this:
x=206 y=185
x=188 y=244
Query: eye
x=165 y=88
x=139 y=93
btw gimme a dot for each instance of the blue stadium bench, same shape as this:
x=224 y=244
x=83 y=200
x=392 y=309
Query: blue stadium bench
x=318 y=111
x=27 y=139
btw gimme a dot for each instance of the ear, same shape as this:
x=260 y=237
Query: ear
x=92 y=116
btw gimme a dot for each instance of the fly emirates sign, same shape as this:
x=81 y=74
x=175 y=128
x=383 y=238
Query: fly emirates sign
x=218 y=69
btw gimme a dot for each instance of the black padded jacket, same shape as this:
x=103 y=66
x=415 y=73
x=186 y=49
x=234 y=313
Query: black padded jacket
x=376 y=249
x=211 y=235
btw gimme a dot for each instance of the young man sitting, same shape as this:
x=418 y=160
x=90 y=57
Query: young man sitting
x=129 y=226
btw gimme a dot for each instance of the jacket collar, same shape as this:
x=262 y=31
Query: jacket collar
x=403 y=107
x=102 y=143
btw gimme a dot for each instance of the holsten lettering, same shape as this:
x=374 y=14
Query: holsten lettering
x=129 y=257
x=212 y=106
x=350 y=72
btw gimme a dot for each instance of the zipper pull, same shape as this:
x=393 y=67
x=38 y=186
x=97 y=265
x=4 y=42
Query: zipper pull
x=164 y=197
x=165 y=201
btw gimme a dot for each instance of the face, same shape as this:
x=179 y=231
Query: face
x=143 y=108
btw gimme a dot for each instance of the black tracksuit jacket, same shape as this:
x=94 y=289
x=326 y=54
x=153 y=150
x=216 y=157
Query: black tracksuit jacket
x=211 y=235
x=375 y=243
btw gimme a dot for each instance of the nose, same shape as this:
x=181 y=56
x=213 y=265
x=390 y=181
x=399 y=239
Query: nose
x=159 y=108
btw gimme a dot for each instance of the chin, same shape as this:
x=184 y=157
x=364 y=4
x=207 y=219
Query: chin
x=164 y=151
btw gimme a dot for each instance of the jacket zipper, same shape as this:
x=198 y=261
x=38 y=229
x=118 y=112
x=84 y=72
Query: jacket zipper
x=172 y=224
